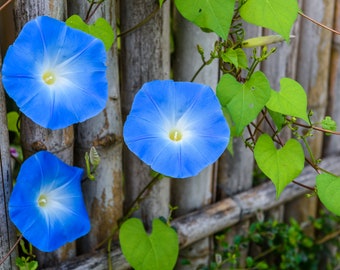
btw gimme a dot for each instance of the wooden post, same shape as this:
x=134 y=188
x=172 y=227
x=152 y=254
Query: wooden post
x=34 y=137
x=145 y=56
x=282 y=64
x=332 y=143
x=313 y=68
x=104 y=196
x=7 y=232
x=235 y=171
x=193 y=193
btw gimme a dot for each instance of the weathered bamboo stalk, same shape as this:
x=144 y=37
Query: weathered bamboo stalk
x=218 y=216
x=312 y=72
x=7 y=235
x=35 y=138
x=195 y=192
x=332 y=143
x=145 y=56
x=104 y=196
x=235 y=171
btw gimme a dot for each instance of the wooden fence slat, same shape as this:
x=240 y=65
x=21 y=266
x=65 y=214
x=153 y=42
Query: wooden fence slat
x=221 y=215
x=145 y=56
x=104 y=196
x=235 y=171
x=314 y=61
x=7 y=233
x=195 y=192
x=313 y=67
x=34 y=137
x=332 y=143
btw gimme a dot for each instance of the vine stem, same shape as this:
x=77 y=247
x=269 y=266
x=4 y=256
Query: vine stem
x=11 y=250
x=317 y=128
x=89 y=14
x=319 y=24
x=5 y=4
x=328 y=237
x=304 y=186
x=133 y=207
x=148 y=18
x=198 y=71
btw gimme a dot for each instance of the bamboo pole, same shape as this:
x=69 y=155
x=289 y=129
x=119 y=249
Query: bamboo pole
x=235 y=170
x=104 y=196
x=145 y=56
x=195 y=192
x=7 y=235
x=332 y=143
x=215 y=217
x=313 y=68
x=282 y=63
x=35 y=138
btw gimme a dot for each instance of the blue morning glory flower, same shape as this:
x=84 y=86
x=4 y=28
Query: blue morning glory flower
x=56 y=74
x=46 y=204
x=177 y=128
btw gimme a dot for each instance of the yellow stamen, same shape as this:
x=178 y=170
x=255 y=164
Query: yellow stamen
x=42 y=201
x=175 y=135
x=49 y=77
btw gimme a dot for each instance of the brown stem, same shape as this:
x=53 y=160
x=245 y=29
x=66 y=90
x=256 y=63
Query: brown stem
x=148 y=18
x=304 y=186
x=11 y=250
x=316 y=128
x=319 y=24
x=5 y=4
x=328 y=237
x=90 y=14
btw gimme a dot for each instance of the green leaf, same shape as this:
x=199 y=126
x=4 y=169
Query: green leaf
x=159 y=250
x=12 y=119
x=277 y=15
x=278 y=118
x=100 y=29
x=243 y=101
x=215 y=15
x=291 y=100
x=237 y=57
x=281 y=165
x=328 y=189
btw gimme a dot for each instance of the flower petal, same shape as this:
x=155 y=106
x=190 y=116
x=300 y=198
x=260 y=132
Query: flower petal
x=77 y=62
x=190 y=108
x=64 y=218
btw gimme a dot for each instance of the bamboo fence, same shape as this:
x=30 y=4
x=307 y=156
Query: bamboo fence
x=223 y=195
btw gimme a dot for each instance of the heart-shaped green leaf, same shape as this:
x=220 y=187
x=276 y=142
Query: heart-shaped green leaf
x=281 y=166
x=215 y=15
x=291 y=100
x=100 y=29
x=328 y=188
x=159 y=250
x=243 y=101
x=277 y=15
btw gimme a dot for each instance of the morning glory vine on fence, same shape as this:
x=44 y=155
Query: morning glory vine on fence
x=56 y=74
